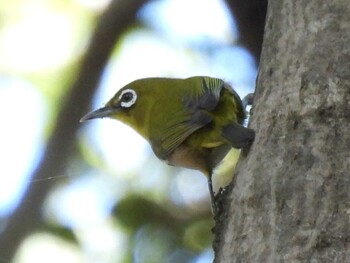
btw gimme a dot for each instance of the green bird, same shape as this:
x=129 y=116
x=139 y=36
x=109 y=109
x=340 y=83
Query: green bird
x=190 y=123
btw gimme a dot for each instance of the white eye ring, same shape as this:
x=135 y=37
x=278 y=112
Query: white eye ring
x=127 y=98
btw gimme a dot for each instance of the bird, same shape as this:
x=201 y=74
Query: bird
x=191 y=123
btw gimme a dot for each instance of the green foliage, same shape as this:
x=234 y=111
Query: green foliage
x=156 y=232
x=135 y=211
x=198 y=236
x=64 y=233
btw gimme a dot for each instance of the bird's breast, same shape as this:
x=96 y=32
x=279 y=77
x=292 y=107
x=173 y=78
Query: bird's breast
x=187 y=157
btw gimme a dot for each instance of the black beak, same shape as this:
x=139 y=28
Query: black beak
x=100 y=113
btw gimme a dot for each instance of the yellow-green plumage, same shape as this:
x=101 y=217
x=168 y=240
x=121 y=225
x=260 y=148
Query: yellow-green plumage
x=191 y=123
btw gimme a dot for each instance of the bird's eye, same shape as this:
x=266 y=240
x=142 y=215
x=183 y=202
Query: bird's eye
x=127 y=98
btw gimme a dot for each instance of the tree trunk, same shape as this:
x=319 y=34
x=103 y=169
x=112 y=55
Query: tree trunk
x=290 y=200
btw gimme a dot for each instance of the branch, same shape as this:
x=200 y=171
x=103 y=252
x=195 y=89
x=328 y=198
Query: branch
x=250 y=18
x=62 y=144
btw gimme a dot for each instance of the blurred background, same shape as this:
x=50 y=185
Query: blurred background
x=94 y=192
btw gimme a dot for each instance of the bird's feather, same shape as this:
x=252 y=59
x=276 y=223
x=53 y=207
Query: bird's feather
x=192 y=116
x=238 y=135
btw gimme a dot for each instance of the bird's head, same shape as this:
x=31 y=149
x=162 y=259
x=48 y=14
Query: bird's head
x=129 y=105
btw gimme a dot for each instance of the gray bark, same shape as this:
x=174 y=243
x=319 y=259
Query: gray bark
x=290 y=200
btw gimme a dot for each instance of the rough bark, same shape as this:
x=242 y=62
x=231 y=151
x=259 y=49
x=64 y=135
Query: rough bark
x=291 y=201
x=27 y=218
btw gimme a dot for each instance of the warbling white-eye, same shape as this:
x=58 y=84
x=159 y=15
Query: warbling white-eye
x=190 y=123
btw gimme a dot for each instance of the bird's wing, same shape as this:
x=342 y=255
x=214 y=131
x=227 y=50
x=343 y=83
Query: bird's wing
x=207 y=97
x=192 y=116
